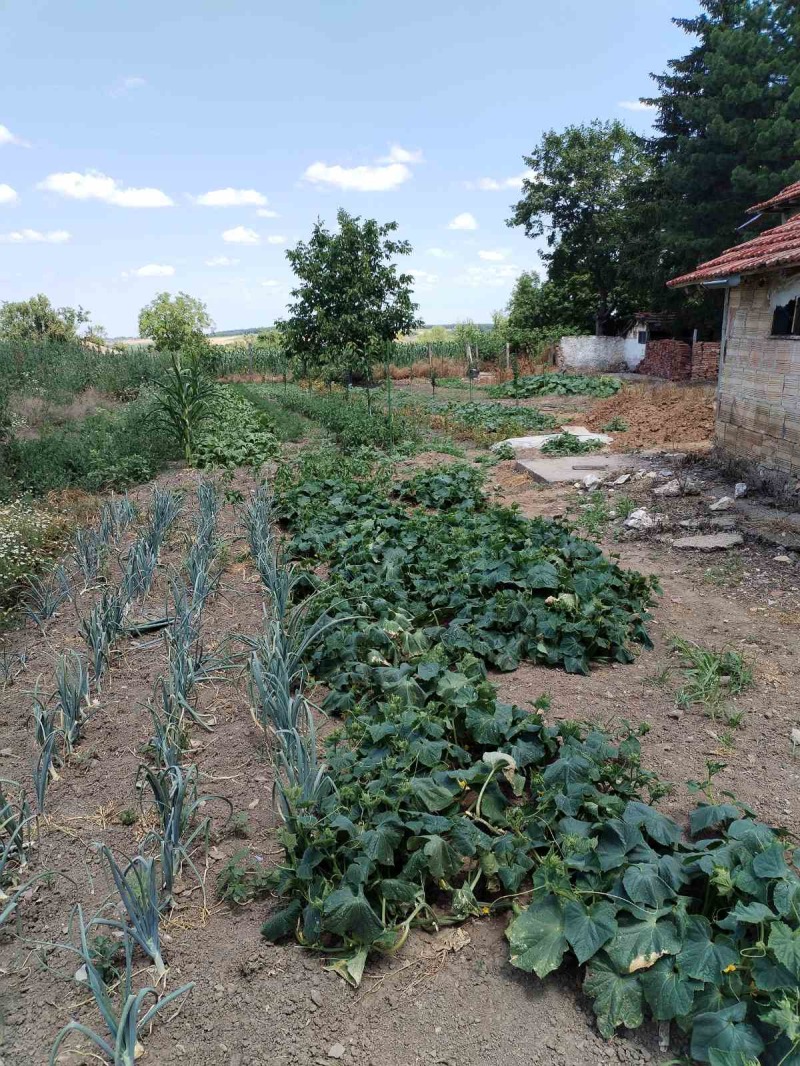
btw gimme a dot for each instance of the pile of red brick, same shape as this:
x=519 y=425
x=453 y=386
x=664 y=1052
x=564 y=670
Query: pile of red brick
x=679 y=361
x=667 y=359
x=705 y=361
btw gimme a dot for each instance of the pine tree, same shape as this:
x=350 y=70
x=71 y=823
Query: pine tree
x=728 y=125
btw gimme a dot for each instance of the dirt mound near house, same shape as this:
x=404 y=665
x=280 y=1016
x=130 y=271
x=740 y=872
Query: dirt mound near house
x=656 y=415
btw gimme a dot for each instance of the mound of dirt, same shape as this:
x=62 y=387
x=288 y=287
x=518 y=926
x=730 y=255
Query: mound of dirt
x=656 y=415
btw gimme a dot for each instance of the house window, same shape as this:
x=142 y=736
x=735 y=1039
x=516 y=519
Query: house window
x=786 y=319
x=642 y=337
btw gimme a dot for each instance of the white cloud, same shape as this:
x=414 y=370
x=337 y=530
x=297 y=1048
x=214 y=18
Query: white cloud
x=498 y=184
x=96 y=186
x=440 y=253
x=221 y=261
x=493 y=255
x=362 y=179
x=424 y=277
x=35 y=236
x=494 y=276
x=8 y=195
x=276 y=238
x=231 y=198
x=463 y=221
x=127 y=85
x=267 y=212
x=636 y=105
x=270 y=283
x=241 y=235
x=153 y=270
x=401 y=155
x=7 y=137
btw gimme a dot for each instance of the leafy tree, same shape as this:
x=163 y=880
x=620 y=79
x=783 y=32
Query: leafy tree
x=539 y=310
x=176 y=323
x=467 y=333
x=591 y=196
x=37 y=320
x=728 y=130
x=350 y=301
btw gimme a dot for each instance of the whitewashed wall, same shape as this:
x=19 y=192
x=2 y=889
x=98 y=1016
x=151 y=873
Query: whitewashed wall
x=599 y=353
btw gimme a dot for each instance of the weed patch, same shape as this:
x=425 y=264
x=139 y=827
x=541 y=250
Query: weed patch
x=569 y=444
x=557 y=385
x=710 y=678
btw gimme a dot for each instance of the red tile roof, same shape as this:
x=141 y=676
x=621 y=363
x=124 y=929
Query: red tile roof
x=778 y=247
x=785 y=198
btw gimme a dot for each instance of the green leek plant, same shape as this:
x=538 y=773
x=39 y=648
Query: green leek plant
x=137 y=883
x=126 y=1020
x=72 y=697
x=44 y=596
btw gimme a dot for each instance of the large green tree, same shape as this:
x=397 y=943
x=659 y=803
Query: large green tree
x=176 y=323
x=590 y=194
x=728 y=124
x=350 y=301
x=37 y=320
x=537 y=309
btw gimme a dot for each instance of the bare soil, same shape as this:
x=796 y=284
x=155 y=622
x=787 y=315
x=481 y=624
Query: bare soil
x=660 y=415
x=452 y=998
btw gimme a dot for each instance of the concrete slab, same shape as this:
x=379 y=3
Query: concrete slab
x=574 y=467
x=709 y=542
x=518 y=444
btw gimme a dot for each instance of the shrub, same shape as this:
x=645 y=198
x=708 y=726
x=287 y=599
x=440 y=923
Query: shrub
x=237 y=434
x=569 y=444
x=28 y=535
x=350 y=418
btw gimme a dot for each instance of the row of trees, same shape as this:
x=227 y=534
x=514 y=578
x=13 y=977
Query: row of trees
x=621 y=214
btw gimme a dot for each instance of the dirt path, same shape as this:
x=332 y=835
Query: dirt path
x=449 y=999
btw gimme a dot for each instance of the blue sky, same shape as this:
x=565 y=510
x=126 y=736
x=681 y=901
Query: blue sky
x=117 y=119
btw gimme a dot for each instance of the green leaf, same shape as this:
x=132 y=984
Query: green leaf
x=753 y=913
x=770 y=976
x=725 y=1030
x=785 y=1018
x=349 y=913
x=657 y=826
x=617 y=997
x=351 y=967
x=707 y=815
x=615 y=840
x=588 y=928
x=644 y=885
x=771 y=863
x=443 y=861
x=536 y=937
x=703 y=958
x=283 y=922
x=432 y=795
x=784 y=943
x=667 y=991
x=396 y=890
x=639 y=942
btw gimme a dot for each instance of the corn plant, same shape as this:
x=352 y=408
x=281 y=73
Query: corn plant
x=124 y=1022
x=44 y=596
x=72 y=698
x=137 y=883
x=183 y=401
x=90 y=553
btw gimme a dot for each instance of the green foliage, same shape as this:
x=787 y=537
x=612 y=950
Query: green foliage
x=350 y=301
x=616 y=425
x=236 y=434
x=486 y=423
x=587 y=193
x=106 y=450
x=29 y=535
x=455 y=485
x=286 y=425
x=710 y=677
x=569 y=444
x=184 y=401
x=539 y=313
x=244 y=877
x=176 y=323
x=486 y=581
x=36 y=320
x=558 y=385
x=349 y=419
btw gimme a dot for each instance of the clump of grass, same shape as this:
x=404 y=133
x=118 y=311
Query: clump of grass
x=724 y=574
x=710 y=677
x=569 y=444
x=616 y=425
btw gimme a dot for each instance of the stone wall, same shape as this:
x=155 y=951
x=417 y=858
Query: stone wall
x=599 y=353
x=758 y=408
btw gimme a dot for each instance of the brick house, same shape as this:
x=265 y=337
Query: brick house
x=758 y=390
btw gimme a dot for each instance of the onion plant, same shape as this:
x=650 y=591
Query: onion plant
x=12 y=664
x=137 y=883
x=72 y=696
x=101 y=628
x=45 y=595
x=301 y=781
x=164 y=509
x=44 y=770
x=125 y=1017
x=15 y=819
x=138 y=570
x=116 y=515
x=171 y=738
